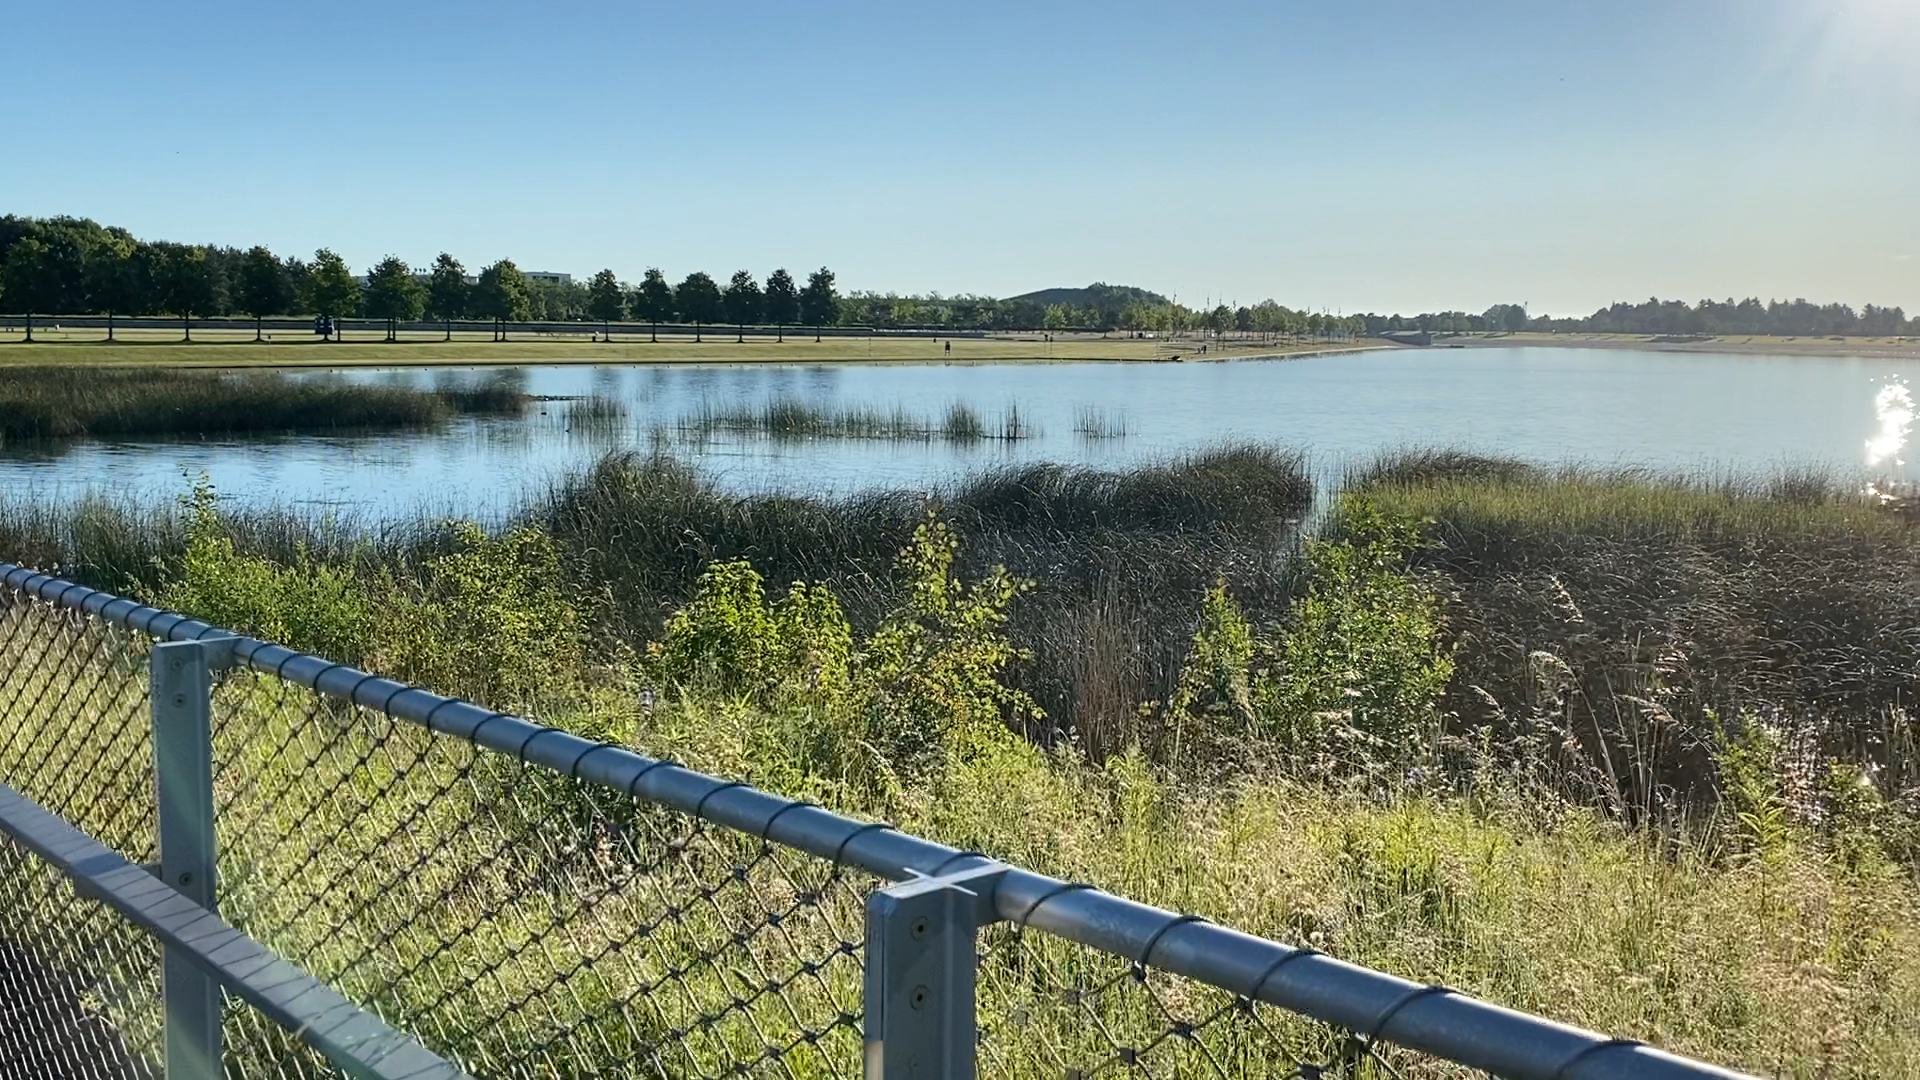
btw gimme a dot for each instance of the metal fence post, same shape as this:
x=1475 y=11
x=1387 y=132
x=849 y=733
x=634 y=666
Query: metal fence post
x=920 y=967
x=181 y=689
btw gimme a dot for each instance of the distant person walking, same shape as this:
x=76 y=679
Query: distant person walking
x=949 y=348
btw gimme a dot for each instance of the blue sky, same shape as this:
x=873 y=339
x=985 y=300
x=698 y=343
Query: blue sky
x=1353 y=156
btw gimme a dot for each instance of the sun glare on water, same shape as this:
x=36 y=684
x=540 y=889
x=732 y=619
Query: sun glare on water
x=1893 y=408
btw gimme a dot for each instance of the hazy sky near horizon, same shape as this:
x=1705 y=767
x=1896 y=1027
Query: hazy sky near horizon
x=1366 y=155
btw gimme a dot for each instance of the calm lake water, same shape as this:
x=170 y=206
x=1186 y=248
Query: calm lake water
x=1668 y=410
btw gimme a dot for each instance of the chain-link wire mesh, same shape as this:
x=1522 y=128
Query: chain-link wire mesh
x=79 y=986
x=1049 y=1007
x=527 y=924
x=521 y=923
x=75 y=724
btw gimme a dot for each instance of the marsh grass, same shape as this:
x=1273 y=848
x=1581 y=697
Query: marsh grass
x=792 y=418
x=1636 y=618
x=536 y=928
x=1119 y=559
x=596 y=415
x=1094 y=422
x=531 y=927
x=44 y=403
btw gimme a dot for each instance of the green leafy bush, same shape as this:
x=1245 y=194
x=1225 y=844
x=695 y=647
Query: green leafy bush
x=932 y=675
x=728 y=638
x=492 y=620
x=308 y=605
x=1360 y=669
x=1215 y=694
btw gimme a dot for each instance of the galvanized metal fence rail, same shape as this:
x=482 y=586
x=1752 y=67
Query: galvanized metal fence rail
x=113 y=960
x=530 y=903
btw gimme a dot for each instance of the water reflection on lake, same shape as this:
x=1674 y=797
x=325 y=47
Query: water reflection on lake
x=1684 y=410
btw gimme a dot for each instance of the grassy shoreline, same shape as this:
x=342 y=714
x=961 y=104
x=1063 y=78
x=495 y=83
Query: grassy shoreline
x=63 y=402
x=478 y=351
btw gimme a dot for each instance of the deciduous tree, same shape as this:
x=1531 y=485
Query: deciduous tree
x=653 y=300
x=331 y=288
x=44 y=276
x=447 y=291
x=503 y=294
x=698 y=299
x=743 y=301
x=264 y=287
x=606 y=300
x=393 y=292
x=782 y=300
x=819 y=303
x=186 y=284
x=117 y=278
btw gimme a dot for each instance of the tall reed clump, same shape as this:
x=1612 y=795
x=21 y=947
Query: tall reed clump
x=792 y=418
x=1094 y=422
x=42 y=403
x=1118 y=559
x=596 y=412
x=1618 y=628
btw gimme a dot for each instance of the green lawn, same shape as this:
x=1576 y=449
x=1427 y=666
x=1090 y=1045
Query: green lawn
x=234 y=348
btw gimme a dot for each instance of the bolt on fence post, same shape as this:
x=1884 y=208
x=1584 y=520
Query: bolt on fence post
x=920 y=967
x=181 y=689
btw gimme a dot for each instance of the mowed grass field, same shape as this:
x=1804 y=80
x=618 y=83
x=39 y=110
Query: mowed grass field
x=225 y=347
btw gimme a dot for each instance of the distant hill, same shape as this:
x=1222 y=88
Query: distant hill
x=1097 y=295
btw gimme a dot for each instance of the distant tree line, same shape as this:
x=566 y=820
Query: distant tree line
x=74 y=266
x=1782 y=318
x=964 y=312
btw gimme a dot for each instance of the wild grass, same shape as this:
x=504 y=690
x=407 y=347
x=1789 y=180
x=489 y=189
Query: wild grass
x=63 y=402
x=596 y=414
x=1748 y=910
x=792 y=418
x=1630 y=620
x=532 y=929
x=1094 y=422
x=1119 y=559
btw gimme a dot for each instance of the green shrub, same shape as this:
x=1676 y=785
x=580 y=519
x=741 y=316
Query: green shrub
x=729 y=639
x=928 y=682
x=1360 y=667
x=931 y=676
x=1749 y=759
x=308 y=605
x=492 y=620
x=1215 y=695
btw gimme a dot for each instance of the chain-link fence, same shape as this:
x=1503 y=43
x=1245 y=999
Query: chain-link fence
x=530 y=904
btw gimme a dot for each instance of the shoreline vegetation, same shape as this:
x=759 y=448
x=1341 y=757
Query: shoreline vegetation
x=222 y=349
x=586 y=347
x=66 y=402
x=1890 y=346
x=1627 y=749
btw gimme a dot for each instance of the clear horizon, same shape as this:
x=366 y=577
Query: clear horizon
x=1385 y=157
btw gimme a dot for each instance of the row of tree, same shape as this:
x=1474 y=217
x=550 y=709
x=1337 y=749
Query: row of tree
x=66 y=266
x=74 y=266
x=1782 y=318
x=395 y=290
x=1156 y=315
